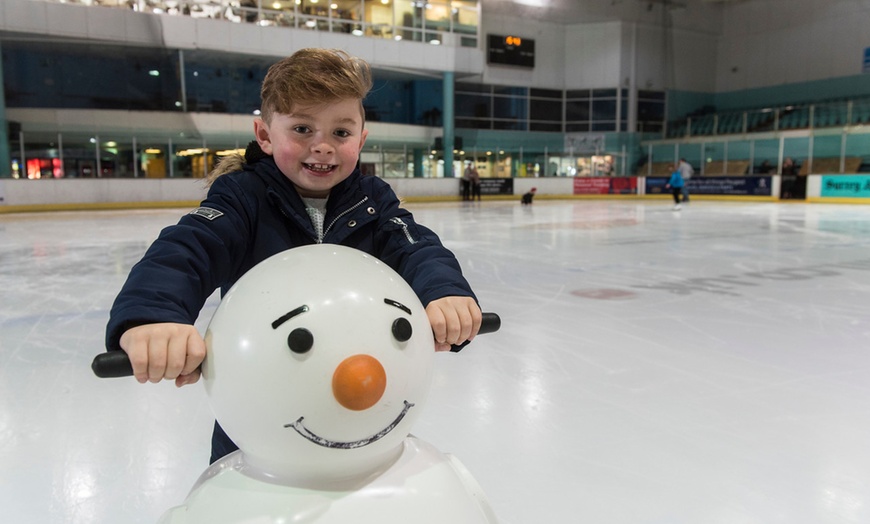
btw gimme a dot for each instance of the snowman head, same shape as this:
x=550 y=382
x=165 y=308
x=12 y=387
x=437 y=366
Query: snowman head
x=319 y=361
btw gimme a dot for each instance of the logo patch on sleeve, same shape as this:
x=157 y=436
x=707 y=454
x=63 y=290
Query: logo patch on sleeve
x=207 y=213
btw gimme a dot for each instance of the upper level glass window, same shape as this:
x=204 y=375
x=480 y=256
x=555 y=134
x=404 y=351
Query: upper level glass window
x=421 y=21
x=546 y=110
x=546 y=93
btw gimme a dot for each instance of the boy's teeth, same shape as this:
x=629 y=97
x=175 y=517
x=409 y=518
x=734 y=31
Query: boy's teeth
x=319 y=167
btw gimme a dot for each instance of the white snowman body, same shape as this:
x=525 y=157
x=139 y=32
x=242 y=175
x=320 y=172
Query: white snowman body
x=319 y=361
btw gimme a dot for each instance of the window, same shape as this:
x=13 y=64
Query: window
x=650 y=110
x=482 y=106
x=547 y=110
x=477 y=106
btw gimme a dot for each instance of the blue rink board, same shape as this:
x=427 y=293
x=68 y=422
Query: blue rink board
x=720 y=185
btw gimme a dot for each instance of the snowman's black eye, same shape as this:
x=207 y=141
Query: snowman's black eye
x=300 y=340
x=402 y=329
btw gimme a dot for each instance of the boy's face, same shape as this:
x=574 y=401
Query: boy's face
x=317 y=146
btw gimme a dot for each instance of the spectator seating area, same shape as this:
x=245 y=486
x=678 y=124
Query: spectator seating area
x=657 y=169
x=730 y=168
x=833 y=113
x=831 y=165
x=715 y=168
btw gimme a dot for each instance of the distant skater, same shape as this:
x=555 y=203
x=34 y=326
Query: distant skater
x=675 y=184
x=686 y=172
x=466 y=182
x=527 y=198
x=474 y=177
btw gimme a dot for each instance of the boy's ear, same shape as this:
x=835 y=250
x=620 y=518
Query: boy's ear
x=261 y=131
x=362 y=141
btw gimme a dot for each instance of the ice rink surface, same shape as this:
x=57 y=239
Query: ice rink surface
x=654 y=367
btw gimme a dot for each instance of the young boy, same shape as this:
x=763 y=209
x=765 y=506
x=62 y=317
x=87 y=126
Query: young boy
x=297 y=184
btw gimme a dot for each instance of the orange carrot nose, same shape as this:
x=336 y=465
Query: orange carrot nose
x=359 y=382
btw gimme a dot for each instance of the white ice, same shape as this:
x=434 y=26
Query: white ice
x=654 y=367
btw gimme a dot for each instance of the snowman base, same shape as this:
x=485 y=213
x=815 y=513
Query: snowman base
x=423 y=486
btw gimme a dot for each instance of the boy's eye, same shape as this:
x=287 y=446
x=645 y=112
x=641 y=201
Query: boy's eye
x=342 y=133
x=301 y=129
x=402 y=329
x=300 y=340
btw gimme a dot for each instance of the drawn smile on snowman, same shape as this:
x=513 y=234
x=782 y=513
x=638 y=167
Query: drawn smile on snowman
x=359 y=381
x=320 y=441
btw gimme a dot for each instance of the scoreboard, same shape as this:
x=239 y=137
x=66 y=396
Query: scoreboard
x=510 y=50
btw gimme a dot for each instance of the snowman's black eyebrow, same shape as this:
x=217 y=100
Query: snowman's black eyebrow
x=397 y=304
x=287 y=316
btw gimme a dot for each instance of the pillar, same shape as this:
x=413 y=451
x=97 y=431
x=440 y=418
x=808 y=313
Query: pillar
x=447 y=116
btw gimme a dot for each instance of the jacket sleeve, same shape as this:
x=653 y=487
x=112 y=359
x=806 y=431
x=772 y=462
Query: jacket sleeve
x=186 y=263
x=416 y=252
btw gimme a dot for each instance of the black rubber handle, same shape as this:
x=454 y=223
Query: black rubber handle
x=112 y=364
x=490 y=323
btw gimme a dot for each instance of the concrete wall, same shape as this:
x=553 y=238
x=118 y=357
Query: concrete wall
x=623 y=44
x=773 y=42
x=704 y=46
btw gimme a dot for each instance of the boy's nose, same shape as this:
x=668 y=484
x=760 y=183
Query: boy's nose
x=322 y=147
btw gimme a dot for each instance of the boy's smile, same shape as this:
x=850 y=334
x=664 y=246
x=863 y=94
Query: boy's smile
x=323 y=168
x=316 y=147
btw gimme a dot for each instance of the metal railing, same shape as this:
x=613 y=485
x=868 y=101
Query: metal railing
x=459 y=26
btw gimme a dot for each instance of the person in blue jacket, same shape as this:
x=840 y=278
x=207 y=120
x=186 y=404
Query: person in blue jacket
x=297 y=184
x=675 y=184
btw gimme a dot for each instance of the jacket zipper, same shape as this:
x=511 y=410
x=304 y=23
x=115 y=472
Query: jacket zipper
x=398 y=221
x=336 y=219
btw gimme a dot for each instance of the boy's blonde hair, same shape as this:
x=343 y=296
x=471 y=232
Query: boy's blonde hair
x=308 y=76
x=313 y=76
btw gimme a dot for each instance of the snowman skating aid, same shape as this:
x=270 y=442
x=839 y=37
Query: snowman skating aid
x=319 y=361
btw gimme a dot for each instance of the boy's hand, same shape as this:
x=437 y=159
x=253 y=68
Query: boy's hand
x=164 y=351
x=454 y=320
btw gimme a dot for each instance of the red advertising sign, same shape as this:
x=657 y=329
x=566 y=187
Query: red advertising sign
x=605 y=185
x=591 y=186
x=623 y=185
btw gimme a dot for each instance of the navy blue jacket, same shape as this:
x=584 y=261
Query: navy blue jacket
x=252 y=214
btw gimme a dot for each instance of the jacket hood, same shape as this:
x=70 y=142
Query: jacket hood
x=236 y=162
